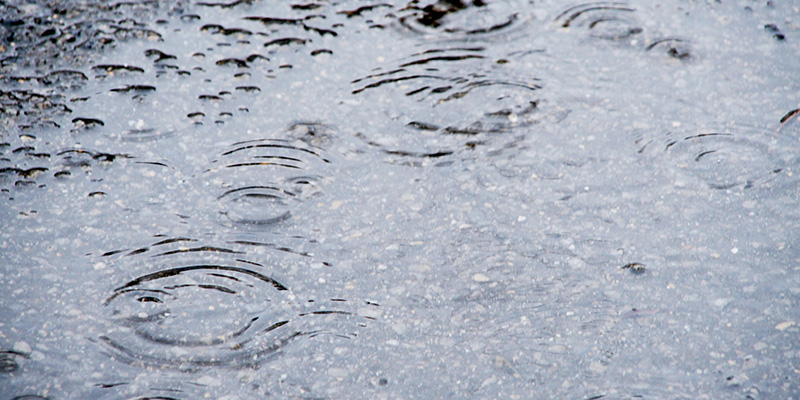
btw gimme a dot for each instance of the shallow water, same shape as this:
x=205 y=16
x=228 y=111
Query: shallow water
x=500 y=199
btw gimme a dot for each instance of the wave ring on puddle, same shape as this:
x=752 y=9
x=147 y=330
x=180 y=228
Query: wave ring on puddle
x=718 y=160
x=199 y=315
x=461 y=19
x=256 y=205
x=604 y=20
x=496 y=98
x=208 y=306
x=263 y=178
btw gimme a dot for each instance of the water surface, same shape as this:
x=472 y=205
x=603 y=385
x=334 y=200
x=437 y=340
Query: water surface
x=478 y=199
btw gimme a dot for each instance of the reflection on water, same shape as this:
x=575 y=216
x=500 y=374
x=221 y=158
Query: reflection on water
x=427 y=198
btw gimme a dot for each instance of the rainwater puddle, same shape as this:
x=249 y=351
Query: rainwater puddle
x=421 y=199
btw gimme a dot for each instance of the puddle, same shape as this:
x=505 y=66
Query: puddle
x=422 y=198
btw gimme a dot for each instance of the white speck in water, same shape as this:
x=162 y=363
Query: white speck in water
x=784 y=325
x=22 y=347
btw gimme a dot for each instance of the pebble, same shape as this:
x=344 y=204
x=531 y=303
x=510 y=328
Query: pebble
x=784 y=325
x=597 y=367
x=399 y=328
x=419 y=268
x=370 y=312
x=22 y=347
x=480 y=278
x=209 y=381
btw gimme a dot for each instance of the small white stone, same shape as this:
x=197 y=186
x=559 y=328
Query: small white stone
x=721 y=302
x=397 y=290
x=209 y=381
x=784 y=325
x=370 y=312
x=399 y=328
x=597 y=367
x=22 y=347
x=419 y=268
x=337 y=372
x=316 y=265
x=481 y=278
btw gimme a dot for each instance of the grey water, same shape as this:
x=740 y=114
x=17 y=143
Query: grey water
x=390 y=200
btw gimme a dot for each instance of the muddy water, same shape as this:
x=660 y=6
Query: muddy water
x=485 y=199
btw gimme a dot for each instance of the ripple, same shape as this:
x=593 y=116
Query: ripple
x=789 y=123
x=256 y=205
x=621 y=23
x=437 y=78
x=613 y=21
x=716 y=159
x=198 y=315
x=263 y=179
x=462 y=19
x=673 y=47
x=212 y=306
